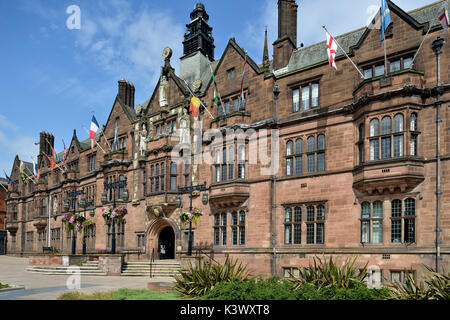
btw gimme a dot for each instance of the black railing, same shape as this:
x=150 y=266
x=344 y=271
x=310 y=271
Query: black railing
x=152 y=260
x=200 y=251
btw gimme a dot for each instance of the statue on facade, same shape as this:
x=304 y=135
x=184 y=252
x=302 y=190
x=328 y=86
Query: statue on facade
x=163 y=91
x=142 y=141
x=185 y=136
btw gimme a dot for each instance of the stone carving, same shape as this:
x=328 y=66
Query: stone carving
x=142 y=141
x=185 y=136
x=163 y=91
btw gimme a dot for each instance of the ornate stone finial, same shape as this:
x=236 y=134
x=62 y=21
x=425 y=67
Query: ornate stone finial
x=167 y=53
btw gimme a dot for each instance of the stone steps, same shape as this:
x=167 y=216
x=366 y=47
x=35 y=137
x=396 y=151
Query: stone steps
x=159 y=269
x=89 y=268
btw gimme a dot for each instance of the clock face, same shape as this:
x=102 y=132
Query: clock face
x=167 y=53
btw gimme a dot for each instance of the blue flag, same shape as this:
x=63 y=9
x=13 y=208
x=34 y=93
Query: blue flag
x=9 y=179
x=385 y=18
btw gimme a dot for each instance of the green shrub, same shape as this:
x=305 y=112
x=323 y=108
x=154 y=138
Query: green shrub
x=201 y=277
x=355 y=291
x=75 y=295
x=273 y=288
x=144 y=294
x=329 y=273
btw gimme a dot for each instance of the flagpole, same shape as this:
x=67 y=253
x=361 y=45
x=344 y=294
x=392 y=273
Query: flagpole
x=94 y=138
x=242 y=82
x=3 y=187
x=103 y=133
x=412 y=62
x=58 y=166
x=362 y=76
x=220 y=98
x=187 y=85
x=29 y=177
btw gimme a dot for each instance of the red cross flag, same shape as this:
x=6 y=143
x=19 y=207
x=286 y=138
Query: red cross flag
x=331 y=50
x=443 y=18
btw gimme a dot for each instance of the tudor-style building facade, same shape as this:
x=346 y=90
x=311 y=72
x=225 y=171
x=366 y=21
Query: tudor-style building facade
x=356 y=165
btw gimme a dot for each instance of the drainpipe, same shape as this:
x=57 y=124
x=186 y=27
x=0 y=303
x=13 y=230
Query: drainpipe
x=437 y=45
x=276 y=92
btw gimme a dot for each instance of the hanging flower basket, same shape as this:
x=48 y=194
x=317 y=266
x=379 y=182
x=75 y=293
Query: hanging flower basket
x=87 y=225
x=193 y=216
x=114 y=215
x=73 y=222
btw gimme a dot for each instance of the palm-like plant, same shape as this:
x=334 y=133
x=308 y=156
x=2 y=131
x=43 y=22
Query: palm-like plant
x=329 y=273
x=436 y=286
x=197 y=279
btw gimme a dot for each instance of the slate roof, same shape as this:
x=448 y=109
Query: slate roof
x=309 y=56
x=315 y=54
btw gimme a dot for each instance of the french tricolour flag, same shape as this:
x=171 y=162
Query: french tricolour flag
x=93 y=131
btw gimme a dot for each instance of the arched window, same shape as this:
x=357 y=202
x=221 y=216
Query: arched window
x=121 y=188
x=374 y=127
x=311 y=156
x=173 y=176
x=288 y=226
x=320 y=152
x=409 y=221
x=413 y=122
x=298 y=156
x=289 y=158
x=398 y=138
x=365 y=222
x=386 y=125
x=414 y=135
x=398 y=123
x=157 y=178
x=241 y=162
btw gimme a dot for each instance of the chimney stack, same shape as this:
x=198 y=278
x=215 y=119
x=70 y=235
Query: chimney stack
x=287 y=33
x=126 y=92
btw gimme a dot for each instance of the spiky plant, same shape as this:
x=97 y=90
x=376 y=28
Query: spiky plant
x=436 y=286
x=329 y=273
x=199 y=278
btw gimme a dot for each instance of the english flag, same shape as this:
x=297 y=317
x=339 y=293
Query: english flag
x=443 y=18
x=331 y=50
x=93 y=131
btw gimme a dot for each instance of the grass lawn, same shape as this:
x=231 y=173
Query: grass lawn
x=122 y=294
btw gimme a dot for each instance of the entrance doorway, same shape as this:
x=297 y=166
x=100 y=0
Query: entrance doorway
x=166 y=243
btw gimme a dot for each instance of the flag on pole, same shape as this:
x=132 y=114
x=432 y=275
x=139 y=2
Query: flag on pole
x=242 y=98
x=9 y=178
x=375 y=23
x=54 y=155
x=22 y=173
x=52 y=163
x=115 y=137
x=64 y=152
x=331 y=50
x=443 y=18
x=93 y=131
x=195 y=106
x=385 y=18
x=37 y=173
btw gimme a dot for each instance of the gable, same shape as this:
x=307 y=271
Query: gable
x=176 y=94
x=404 y=29
x=232 y=57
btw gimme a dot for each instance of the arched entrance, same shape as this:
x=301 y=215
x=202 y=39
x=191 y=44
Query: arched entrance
x=166 y=243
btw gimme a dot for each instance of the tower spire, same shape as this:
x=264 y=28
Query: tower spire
x=266 y=52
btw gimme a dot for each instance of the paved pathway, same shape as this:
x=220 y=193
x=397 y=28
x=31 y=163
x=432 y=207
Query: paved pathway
x=49 y=287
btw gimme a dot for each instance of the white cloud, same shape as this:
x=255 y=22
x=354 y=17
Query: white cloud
x=12 y=143
x=129 y=44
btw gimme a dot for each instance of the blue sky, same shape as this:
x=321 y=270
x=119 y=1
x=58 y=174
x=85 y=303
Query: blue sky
x=52 y=77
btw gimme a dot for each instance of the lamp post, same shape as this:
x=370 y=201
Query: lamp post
x=84 y=204
x=189 y=190
x=73 y=196
x=114 y=185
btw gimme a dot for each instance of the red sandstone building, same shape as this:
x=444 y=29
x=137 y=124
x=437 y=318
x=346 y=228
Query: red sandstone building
x=358 y=161
x=3 y=235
